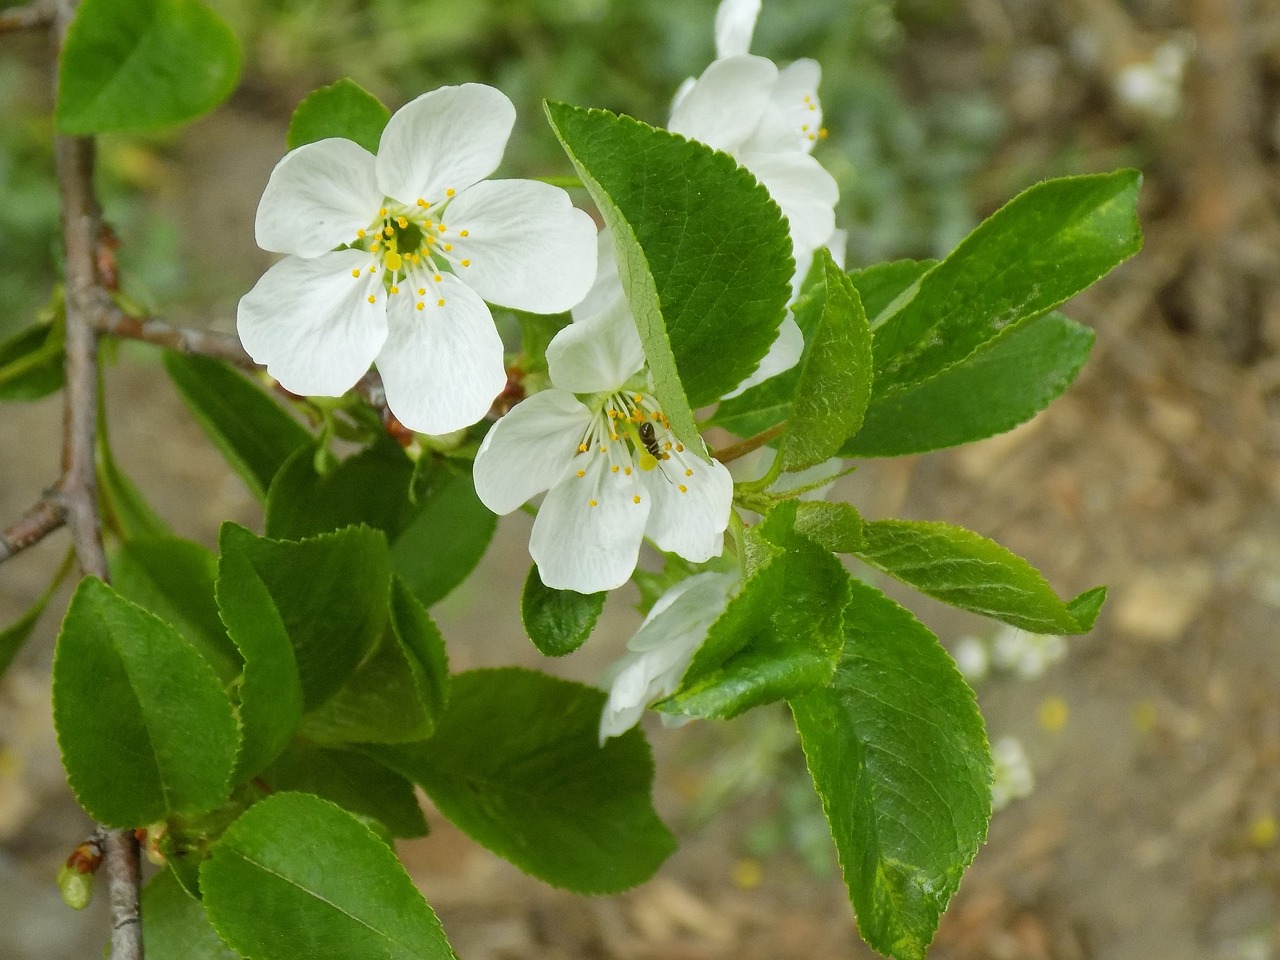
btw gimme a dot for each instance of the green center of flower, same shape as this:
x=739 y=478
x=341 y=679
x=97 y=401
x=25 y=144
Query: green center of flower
x=413 y=246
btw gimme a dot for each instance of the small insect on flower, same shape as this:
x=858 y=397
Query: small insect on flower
x=651 y=445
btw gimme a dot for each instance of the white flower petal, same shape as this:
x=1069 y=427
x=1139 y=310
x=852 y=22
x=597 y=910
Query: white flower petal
x=606 y=289
x=447 y=139
x=735 y=23
x=805 y=191
x=597 y=354
x=310 y=321
x=526 y=245
x=584 y=548
x=783 y=354
x=682 y=91
x=692 y=522
x=725 y=104
x=318 y=196
x=839 y=247
x=442 y=366
x=529 y=449
x=793 y=120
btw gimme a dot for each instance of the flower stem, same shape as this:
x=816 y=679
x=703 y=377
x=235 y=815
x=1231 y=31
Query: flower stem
x=743 y=447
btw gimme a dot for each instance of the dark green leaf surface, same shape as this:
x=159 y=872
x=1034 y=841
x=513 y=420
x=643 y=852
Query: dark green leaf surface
x=31 y=363
x=17 y=633
x=516 y=765
x=833 y=526
x=174 y=578
x=1007 y=382
x=270 y=688
x=342 y=109
x=703 y=252
x=959 y=567
x=444 y=540
x=174 y=926
x=135 y=65
x=144 y=726
x=899 y=756
x=1043 y=247
x=885 y=287
x=251 y=430
x=330 y=592
x=557 y=621
x=351 y=780
x=834 y=382
x=125 y=510
x=296 y=876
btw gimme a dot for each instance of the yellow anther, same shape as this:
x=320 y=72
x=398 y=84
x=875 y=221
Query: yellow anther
x=804 y=128
x=402 y=222
x=823 y=133
x=466 y=263
x=375 y=246
x=582 y=473
x=388 y=231
x=679 y=448
x=441 y=228
x=614 y=468
x=813 y=106
x=360 y=234
x=592 y=503
x=637 y=397
x=448 y=247
x=394 y=288
x=683 y=488
x=422 y=203
x=449 y=192
x=373 y=269
x=440 y=302
x=437 y=278
x=582 y=448
x=372 y=298
x=420 y=305
x=356 y=272
x=613 y=436
x=627 y=471
x=430 y=238
x=636 y=498
x=422 y=291
x=465 y=233
x=604 y=449
x=382 y=211
x=688 y=473
x=667 y=445
x=807 y=98
x=812 y=137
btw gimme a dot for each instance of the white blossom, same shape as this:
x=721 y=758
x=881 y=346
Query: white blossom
x=390 y=259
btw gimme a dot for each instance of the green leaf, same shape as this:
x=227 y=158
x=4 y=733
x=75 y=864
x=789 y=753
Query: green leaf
x=833 y=526
x=1043 y=247
x=703 y=253
x=885 y=287
x=959 y=567
x=250 y=429
x=353 y=781
x=777 y=638
x=516 y=765
x=144 y=726
x=557 y=621
x=835 y=373
x=124 y=508
x=296 y=876
x=397 y=694
x=1005 y=383
x=174 y=925
x=897 y=751
x=342 y=109
x=440 y=546
x=17 y=633
x=270 y=688
x=136 y=65
x=174 y=578
x=31 y=362
x=330 y=592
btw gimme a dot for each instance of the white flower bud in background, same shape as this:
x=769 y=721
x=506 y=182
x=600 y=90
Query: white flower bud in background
x=1011 y=770
x=1028 y=655
x=972 y=657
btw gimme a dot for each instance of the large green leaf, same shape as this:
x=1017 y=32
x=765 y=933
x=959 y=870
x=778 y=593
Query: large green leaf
x=353 y=781
x=445 y=539
x=834 y=378
x=330 y=593
x=959 y=567
x=143 y=723
x=342 y=109
x=516 y=764
x=557 y=621
x=1043 y=247
x=174 y=926
x=296 y=876
x=1006 y=382
x=31 y=362
x=174 y=579
x=135 y=65
x=249 y=428
x=703 y=253
x=898 y=754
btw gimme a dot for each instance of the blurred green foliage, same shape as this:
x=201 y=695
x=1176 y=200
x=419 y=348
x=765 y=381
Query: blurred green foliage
x=904 y=166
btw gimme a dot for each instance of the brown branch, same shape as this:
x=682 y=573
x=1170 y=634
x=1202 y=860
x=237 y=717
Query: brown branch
x=78 y=495
x=743 y=447
x=39 y=14
x=36 y=524
x=207 y=343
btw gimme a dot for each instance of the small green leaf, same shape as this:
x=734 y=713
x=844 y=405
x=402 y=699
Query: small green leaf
x=174 y=925
x=834 y=381
x=1086 y=607
x=330 y=593
x=516 y=765
x=353 y=781
x=296 y=876
x=342 y=109
x=250 y=429
x=124 y=508
x=557 y=621
x=959 y=567
x=703 y=253
x=1005 y=383
x=144 y=725
x=397 y=694
x=1043 y=247
x=777 y=638
x=174 y=578
x=136 y=65
x=897 y=751
x=886 y=287
x=31 y=362
x=270 y=688
x=17 y=633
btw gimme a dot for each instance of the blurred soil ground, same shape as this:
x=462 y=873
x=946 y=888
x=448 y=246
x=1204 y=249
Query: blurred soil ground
x=1153 y=832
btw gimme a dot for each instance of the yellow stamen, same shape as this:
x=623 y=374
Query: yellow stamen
x=582 y=448
x=389 y=231
x=466 y=263
x=679 y=448
x=440 y=302
x=688 y=473
x=627 y=471
x=636 y=498
x=402 y=222
x=360 y=234
x=420 y=305
x=683 y=488
x=614 y=468
x=422 y=291
x=372 y=298
x=355 y=273
x=421 y=202
x=582 y=473
x=448 y=247
x=394 y=288
x=382 y=212
x=465 y=233
x=449 y=192
x=437 y=278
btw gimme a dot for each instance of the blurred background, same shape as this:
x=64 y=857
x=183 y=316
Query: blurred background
x=1140 y=765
